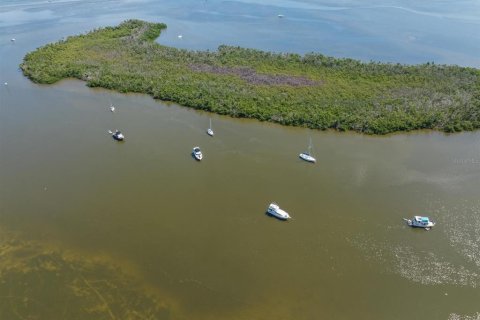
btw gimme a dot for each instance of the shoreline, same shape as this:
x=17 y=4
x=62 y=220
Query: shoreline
x=312 y=90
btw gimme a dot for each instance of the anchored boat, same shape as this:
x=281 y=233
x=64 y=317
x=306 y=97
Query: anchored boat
x=274 y=210
x=197 y=153
x=117 y=135
x=420 y=222
x=210 y=130
x=307 y=156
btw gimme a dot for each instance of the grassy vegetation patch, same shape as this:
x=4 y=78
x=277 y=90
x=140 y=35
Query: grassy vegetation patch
x=312 y=90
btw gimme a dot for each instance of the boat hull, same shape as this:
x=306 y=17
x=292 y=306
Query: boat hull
x=420 y=222
x=197 y=153
x=307 y=157
x=210 y=132
x=275 y=211
x=416 y=225
x=279 y=217
x=118 y=137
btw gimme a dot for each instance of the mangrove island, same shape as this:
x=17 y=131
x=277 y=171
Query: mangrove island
x=311 y=90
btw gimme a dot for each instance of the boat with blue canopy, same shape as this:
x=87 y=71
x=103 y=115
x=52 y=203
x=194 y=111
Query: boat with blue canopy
x=420 y=222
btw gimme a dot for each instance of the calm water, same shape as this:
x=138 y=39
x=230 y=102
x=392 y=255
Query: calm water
x=94 y=229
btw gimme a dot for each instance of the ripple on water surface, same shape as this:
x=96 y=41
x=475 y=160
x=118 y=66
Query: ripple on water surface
x=459 y=229
x=455 y=316
x=464 y=231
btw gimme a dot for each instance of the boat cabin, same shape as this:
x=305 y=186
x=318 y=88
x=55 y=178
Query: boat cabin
x=422 y=220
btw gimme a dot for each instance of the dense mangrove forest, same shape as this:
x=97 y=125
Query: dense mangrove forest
x=311 y=90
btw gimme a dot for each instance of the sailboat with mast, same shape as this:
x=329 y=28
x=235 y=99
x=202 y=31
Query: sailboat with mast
x=307 y=156
x=209 y=130
x=112 y=107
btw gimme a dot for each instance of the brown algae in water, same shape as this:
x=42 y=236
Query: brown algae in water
x=38 y=282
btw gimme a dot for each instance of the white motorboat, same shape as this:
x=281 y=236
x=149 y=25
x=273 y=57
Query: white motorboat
x=307 y=156
x=420 y=222
x=112 y=108
x=209 y=130
x=197 y=153
x=274 y=210
x=117 y=135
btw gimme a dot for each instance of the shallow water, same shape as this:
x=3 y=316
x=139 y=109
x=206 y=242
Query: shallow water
x=139 y=229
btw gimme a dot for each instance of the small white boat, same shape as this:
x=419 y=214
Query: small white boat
x=274 y=210
x=197 y=153
x=117 y=135
x=112 y=108
x=180 y=36
x=13 y=39
x=420 y=222
x=209 y=130
x=307 y=156
x=280 y=16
